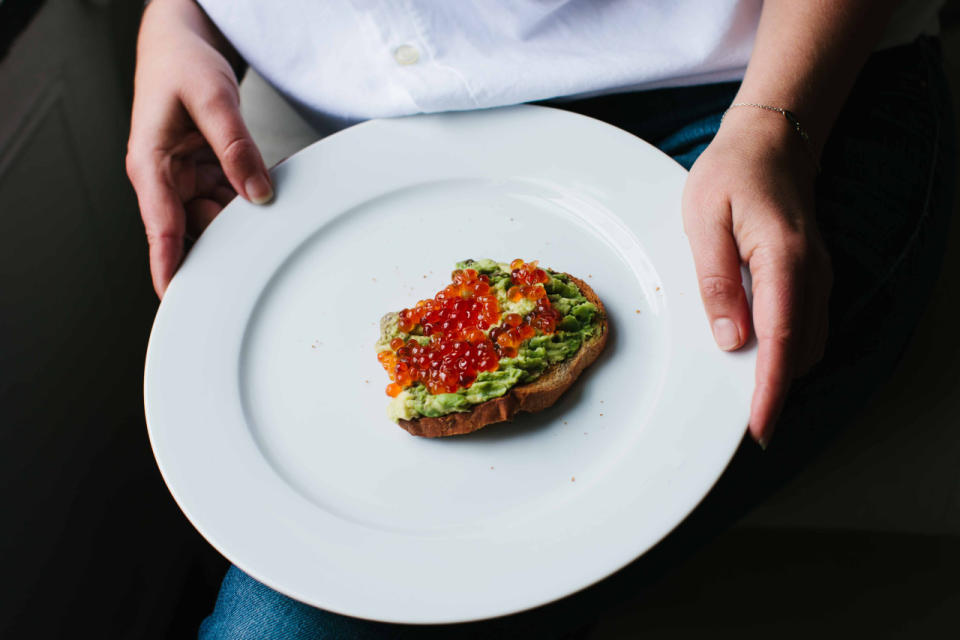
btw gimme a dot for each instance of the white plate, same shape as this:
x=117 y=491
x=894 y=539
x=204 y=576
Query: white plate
x=266 y=405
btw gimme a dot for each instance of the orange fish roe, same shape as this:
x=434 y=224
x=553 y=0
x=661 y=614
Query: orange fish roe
x=457 y=321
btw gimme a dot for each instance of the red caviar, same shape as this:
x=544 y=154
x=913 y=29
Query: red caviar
x=466 y=331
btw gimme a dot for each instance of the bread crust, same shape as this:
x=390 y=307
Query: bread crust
x=533 y=396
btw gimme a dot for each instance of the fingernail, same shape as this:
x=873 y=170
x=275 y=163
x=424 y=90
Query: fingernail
x=258 y=189
x=764 y=440
x=726 y=333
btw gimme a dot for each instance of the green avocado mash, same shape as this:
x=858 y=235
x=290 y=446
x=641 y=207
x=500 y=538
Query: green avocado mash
x=580 y=321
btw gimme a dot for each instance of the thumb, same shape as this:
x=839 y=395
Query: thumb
x=215 y=110
x=717 y=263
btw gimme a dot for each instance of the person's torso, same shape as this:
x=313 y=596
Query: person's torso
x=359 y=59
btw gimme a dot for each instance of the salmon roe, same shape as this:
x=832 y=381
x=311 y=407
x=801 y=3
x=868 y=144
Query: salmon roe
x=467 y=333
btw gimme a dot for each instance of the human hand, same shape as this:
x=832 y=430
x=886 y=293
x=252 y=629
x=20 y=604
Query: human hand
x=749 y=199
x=189 y=152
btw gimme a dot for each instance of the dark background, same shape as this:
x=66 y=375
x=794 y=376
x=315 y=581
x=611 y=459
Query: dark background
x=92 y=543
x=868 y=541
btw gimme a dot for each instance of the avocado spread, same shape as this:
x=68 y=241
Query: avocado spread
x=580 y=320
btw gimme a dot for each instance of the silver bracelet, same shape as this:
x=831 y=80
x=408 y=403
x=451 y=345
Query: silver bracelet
x=791 y=118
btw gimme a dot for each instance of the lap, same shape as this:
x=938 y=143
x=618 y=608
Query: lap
x=883 y=204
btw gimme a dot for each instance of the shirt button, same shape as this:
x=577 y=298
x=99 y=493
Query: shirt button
x=406 y=54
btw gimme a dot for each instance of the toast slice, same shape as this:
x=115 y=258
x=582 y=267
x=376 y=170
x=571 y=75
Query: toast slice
x=533 y=396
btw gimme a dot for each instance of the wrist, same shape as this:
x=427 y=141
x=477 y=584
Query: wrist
x=773 y=129
x=171 y=19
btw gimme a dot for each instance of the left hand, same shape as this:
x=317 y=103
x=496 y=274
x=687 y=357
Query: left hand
x=749 y=199
x=189 y=151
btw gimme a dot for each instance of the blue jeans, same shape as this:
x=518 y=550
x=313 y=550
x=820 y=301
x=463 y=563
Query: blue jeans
x=884 y=199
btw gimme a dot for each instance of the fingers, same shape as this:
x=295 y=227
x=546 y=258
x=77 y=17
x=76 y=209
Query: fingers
x=163 y=218
x=200 y=213
x=819 y=284
x=185 y=98
x=717 y=262
x=746 y=200
x=778 y=296
x=814 y=330
x=210 y=195
x=791 y=291
x=790 y=273
x=223 y=196
x=214 y=107
x=209 y=178
x=770 y=391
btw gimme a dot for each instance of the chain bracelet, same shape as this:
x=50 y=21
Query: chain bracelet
x=790 y=117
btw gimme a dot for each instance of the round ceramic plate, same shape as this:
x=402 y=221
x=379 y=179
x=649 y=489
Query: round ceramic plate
x=266 y=404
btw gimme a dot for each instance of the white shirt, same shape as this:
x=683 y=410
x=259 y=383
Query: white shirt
x=355 y=59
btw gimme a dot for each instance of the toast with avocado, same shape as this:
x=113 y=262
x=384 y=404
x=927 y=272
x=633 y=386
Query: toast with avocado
x=500 y=339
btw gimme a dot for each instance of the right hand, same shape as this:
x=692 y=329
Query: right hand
x=749 y=199
x=189 y=151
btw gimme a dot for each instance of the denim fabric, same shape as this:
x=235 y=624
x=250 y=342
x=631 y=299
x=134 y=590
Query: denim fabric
x=884 y=199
